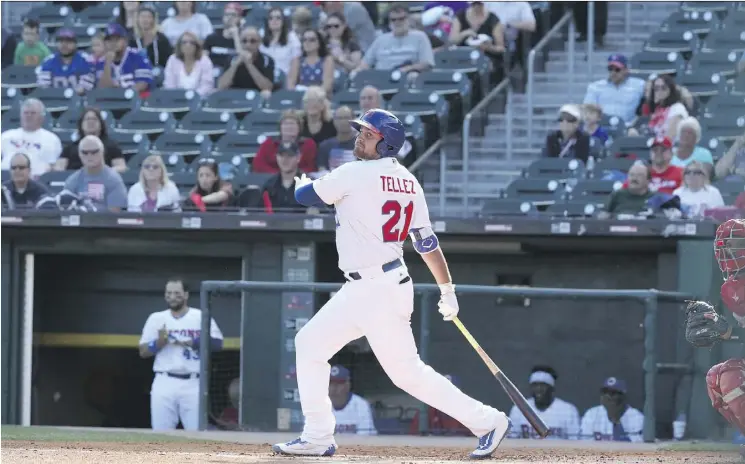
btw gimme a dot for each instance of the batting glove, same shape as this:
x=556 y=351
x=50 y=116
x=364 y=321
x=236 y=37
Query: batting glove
x=301 y=181
x=448 y=305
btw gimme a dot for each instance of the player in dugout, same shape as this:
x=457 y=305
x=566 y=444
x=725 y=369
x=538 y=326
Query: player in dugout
x=353 y=413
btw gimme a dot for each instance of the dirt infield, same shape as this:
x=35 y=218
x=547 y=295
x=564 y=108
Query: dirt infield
x=103 y=452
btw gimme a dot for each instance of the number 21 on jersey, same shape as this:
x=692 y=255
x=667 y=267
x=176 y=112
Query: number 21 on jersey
x=392 y=230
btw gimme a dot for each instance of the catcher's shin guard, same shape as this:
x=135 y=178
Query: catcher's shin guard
x=725 y=383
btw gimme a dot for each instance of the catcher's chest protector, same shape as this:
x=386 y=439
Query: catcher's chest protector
x=725 y=383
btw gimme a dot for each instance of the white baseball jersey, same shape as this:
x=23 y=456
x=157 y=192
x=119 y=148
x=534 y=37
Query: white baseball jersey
x=561 y=417
x=377 y=203
x=596 y=425
x=355 y=417
x=174 y=358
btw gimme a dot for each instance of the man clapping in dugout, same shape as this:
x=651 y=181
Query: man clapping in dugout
x=561 y=417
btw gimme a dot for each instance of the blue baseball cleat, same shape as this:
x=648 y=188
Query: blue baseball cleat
x=299 y=447
x=490 y=442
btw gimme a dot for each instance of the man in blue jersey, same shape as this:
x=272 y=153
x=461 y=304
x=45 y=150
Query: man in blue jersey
x=67 y=68
x=123 y=66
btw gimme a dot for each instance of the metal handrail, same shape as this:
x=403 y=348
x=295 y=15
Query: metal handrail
x=567 y=18
x=504 y=85
x=420 y=160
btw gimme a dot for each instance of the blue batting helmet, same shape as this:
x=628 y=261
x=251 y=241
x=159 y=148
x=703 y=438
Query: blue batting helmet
x=388 y=126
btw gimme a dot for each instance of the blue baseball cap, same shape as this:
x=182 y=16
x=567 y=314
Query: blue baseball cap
x=66 y=33
x=339 y=373
x=116 y=29
x=618 y=60
x=614 y=383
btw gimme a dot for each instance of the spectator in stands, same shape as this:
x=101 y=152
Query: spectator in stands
x=415 y=23
x=357 y=19
x=696 y=194
x=154 y=191
x=278 y=193
x=319 y=121
x=128 y=15
x=342 y=45
x=290 y=126
x=439 y=423
x=687 y=149
x=91 y=122
x=9 y=45
x=685 y=96
x=733 y=162
x=561 y=417
x=95 y=181
x=124 y=67
x=369 y=99
x=666 y=107
x=568 y=141
x=614 y=419
x=353 y=413
x=97 y=52
x=302 y=20
x=31 y=51
x=591 y=116
x=21 y=191
x=186 y=19
x=620 y=94
x=279 y=41
x=516 y=17
x=251 y=69
x=666 y=177
x=315 y=67
x=477 y=27
x=67 y=68
x=600 y=25
x=188 y=68
x=210 y=193
x=148 y=38
x=338 y=150
x=229 y=416
x=633 y=198
x=222 y=44
x=403 y=49
x=40 y=145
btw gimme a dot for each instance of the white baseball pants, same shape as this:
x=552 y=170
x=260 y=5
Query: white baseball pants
x=172 y=399
x=379 y=309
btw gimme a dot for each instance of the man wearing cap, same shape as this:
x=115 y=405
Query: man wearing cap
x=568 y=141
x=221 y=45
x=665 y=177
x=620 y=94
x=353 y=413
x=67 y=67
x=561 y=417
x=123 y=66
x=631 y=199
x=251 y=69
x=278 y=195
x=614 y=419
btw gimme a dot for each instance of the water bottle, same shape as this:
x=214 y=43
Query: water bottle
x=679 y=427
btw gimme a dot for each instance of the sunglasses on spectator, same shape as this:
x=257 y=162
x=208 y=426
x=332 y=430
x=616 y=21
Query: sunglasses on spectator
x=250 y=40
x=695 y=173
x=90 y=152
x=660 y=88
x=275 y=17
x=18 y=167
x=150 y=167
x=567 y=119
x=310 y=39
x=332 y=26
x=397 y=19
x=614 y=69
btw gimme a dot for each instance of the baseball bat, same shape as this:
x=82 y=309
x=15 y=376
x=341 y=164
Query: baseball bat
x=509 y=388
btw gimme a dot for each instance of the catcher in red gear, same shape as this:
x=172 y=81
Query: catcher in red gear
x=704 y=326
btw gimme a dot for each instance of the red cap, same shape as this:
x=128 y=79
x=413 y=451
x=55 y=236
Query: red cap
x=234 y=6
x=661 y=141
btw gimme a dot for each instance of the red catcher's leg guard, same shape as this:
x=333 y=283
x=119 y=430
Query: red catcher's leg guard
x=725 y=383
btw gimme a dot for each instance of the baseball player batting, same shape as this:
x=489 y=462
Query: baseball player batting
x=725 y=382
x=378 y=204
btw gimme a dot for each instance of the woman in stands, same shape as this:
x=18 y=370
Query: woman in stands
x=569 y=141
x=314 y=67
x=290 y=126
x=477 y=27
x=128 y=15
x=211 y=193
x=186 y=19
x=147 y=36
x=343 y=48
x=91 y=123
x=688 y=150
x=154 y=191
x=319 y=120
x=696 y=194
x=279 y=41
x=666 y=108
x=189 y=68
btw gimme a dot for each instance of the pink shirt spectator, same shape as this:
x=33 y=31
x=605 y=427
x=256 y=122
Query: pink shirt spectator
x=201 y=78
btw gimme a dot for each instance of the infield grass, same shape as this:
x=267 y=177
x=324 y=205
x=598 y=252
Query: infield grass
x=38 y=433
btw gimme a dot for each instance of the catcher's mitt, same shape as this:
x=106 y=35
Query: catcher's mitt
x=704 y=326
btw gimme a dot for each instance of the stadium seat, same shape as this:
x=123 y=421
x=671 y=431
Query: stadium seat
x=232 y=101
x=10 y=98
x=593 y=191
x=130 y=144
x=721 y=62
x=97 y=16
x=245 y=145
x=455 y=86
x=672 y=41
x=207 y=123
x=57 y=100
x=432 y=108
x=4 y=175
x=723 y=126
x=185 y=181
x=645 y=63
x=68 y=121
x=214 y=12
x=702 y=85
x=690 y=21
x=538 y=191
x=638 y=146
x=171 y=101
x=730 y=187
x=255 y=17
x=730 y=39
x=350 y=98
x=18 y=77
x=609 y=166
x=705 y=6
x=255 y=180
x=735 y=20
x=341 y=80
x=388 y=83
x=83 y=34
x=146 y=123
x=282 y=100
x=507 y=207
x=50 y=15
x=738 y=88
x=12 y=119
x=171 y=142
x=730 y=104
x=576 y=208
x=555 y=168
x=55 y=180
x=116 y=101
x=260 y=122
x=464 y=59
x=415 y=132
